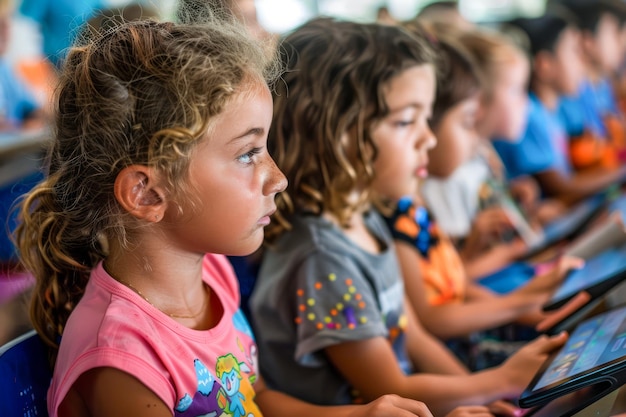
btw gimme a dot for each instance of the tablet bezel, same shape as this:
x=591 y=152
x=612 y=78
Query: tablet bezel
x=595 y=290
x=604 y=377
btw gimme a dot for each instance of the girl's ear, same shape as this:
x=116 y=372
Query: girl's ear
x=138 y=191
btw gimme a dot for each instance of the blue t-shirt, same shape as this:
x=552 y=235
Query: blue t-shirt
x=16 y=100
x=59 y=21
x=586 y=110
x=543 y=146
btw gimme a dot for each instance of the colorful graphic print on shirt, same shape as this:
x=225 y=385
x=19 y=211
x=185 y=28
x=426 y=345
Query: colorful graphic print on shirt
x=228 y=391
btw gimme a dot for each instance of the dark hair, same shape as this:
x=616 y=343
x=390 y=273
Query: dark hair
x=458 y=77
x=336 y=73
x=544 y=32
x=589 y=13
x=438 y=6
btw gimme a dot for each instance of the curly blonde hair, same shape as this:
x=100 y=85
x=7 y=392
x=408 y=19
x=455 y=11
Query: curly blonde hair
x=142 y=93
x=333 y=92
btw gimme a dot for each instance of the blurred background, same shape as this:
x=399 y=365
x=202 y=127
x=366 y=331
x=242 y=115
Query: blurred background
x=280 y=16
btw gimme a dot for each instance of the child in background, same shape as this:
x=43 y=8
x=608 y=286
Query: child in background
x=59 y=22
x=543 y=150
x=351 y=133
x=466 y=187
x=444 y=12
x=448 y=303
x=19 y=108
x=468 y=191
x=159 y=164
x=592 y=119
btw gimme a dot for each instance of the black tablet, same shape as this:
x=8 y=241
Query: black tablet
x=593 y=359
x=598 y=276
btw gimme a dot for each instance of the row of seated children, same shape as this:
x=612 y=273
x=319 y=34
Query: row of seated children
x=141 y=201
x=353 y=136
x=564 y=145
x=325 y=273
x=125 y=233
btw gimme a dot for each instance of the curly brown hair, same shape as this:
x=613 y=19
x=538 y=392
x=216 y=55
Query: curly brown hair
x=330 y=98
x=142 y=93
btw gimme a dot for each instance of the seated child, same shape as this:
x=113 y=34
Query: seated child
x=543 y=150
x=18 y=107
x=591 y=116
x=467 y=189
x=159 y=166
x=351 y=133
x=448 y=303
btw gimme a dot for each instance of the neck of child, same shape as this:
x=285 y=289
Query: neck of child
x=593 y=73
x=548 y=96
x=169 y=279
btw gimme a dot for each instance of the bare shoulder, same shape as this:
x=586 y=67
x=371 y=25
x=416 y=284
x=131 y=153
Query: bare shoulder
x=108 y=392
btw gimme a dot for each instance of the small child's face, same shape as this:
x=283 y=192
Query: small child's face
x=403 y=137
x=568 y=70
x=605 y=49
x=235 y=178
x=504 y=113
x=457 y=137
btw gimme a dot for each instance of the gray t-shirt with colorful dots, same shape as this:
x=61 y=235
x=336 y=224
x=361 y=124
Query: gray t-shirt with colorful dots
x=316 y=288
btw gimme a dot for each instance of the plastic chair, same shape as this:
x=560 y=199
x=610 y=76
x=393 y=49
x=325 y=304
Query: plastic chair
x=25 y=375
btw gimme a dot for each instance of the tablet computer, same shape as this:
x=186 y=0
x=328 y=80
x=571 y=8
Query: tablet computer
x=593 y=359
x=568 y=225
x=598 y=276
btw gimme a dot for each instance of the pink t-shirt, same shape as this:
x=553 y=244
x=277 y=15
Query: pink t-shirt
x=194 y=372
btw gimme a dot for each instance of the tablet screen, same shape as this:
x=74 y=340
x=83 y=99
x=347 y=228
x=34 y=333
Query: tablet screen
x=575 y=219
x=609 y=264
x=595 y=342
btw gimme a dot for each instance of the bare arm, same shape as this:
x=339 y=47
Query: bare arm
x=109 y=392
x=442 y=393
x=429 y=354
x=457 y=319
x=581 y=185
x=278 y=404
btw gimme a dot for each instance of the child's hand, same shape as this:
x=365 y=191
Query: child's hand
x=470 y=411
x=503 y=408
x=549 y=210
x=554 y=317
x=525 y=191
x=393 y=405
x=546 y=283
x=492 y=222
x=521 y=367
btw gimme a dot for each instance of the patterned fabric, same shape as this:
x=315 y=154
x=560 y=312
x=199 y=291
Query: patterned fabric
x=440 y=264
x=445 y=282
x=316 y=288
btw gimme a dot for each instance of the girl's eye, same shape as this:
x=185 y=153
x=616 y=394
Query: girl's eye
x=404 y=123
x=248 y=157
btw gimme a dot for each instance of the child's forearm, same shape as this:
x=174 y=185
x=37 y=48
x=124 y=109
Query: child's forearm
x=457 y=320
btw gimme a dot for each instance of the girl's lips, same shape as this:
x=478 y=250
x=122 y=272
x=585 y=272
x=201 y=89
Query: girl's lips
x=422 y=171
x=265 y=220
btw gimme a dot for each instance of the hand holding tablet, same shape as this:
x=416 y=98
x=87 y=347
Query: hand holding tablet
x=594 y=357
x=599 y=275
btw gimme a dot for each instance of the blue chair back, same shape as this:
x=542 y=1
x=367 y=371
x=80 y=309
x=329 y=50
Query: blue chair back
x=25 y=376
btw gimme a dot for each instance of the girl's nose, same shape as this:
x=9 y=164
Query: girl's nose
x=276 y=180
